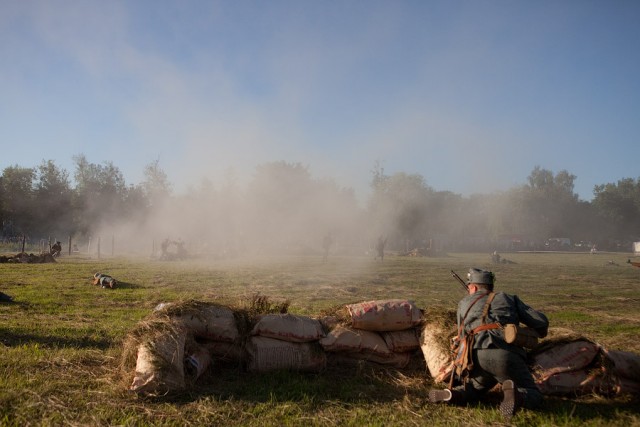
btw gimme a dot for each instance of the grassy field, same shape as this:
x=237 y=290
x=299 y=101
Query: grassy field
x=61 y=339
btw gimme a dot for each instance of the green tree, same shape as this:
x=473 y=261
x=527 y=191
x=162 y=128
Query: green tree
x=18 y=200
x=100 y=194
x=53 y=199
x=156 y=186
x=618 y=205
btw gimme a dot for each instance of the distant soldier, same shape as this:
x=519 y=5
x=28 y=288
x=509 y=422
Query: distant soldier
x=104 y=280
x=326 y=245
x=56 y=249
x=380 y=248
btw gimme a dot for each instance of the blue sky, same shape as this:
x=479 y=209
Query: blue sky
x=472 y=95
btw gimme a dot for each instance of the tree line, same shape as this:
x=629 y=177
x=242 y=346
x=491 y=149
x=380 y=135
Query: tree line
x=283 y=207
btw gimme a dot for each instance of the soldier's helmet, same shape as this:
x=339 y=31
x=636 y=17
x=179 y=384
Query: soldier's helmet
x=95 y=276
x=481 y=277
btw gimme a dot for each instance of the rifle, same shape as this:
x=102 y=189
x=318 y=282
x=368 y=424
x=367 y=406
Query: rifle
x=459 y=279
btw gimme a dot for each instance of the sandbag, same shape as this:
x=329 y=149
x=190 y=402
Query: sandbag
x=343 y=339
x=564 y=357
x=159 y=364
x=396 y=360
x=401 y=341
x=210 y=321
x=270 y=354
x=288 y=327
x=435 y=346
x=624 y=364
x=384 y=315
x=224 y=351
x=577 y=382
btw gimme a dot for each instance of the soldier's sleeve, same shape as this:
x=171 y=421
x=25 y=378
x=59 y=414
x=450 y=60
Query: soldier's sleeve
x=532 y=318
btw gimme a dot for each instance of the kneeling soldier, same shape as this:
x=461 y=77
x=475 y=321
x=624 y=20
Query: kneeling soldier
x=484 y=358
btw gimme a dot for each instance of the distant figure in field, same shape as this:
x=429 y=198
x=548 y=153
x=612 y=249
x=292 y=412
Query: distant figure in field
x=56 y=249
x=380 y=248
x=326 y=245
x=104 y=280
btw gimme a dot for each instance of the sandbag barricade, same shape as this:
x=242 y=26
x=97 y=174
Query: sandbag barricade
x=180 y=342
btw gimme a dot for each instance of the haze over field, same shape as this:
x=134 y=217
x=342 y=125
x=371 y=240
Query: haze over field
x=470 y=95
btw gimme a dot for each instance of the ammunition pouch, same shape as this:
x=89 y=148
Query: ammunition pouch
x=520 y=336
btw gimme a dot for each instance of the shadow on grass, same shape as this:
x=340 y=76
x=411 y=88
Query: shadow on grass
x=11 y=339
x=589 y=409
x=350 y=385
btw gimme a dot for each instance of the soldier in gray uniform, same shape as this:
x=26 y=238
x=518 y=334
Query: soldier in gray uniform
x=491 y=360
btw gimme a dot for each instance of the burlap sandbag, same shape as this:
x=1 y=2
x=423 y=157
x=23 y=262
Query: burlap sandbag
x=401 y=341
x=269 y=354
x=159 y=364
x=209 y=321
x=624 y=364
x=384 y=315
x=343 y=339
x=582 y=381
x=396 y=360
x=225 y=351
x=288 y=327
x=435 y=343
x=565 y=357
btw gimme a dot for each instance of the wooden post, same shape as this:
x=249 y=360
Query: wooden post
x=89 y=246
x=49 y=244
x=23 y=239
x=98 y=247
x=69 y=245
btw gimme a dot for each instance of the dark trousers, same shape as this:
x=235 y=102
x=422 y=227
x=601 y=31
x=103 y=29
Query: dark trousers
x=492 y=366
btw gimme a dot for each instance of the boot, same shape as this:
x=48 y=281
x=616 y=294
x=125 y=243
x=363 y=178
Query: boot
x=446 y=396
x=512 y=400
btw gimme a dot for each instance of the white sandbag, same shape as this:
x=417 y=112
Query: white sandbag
x=342 y=339
x=564 y=357
x=213 y=322
x=436 y=350
x=625 y=364
x=288 y=327
x=269 y=354
x=159 y=365
x=401 y=341
x=384 y=315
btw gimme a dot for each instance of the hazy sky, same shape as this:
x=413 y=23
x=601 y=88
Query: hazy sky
x=469 y=94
